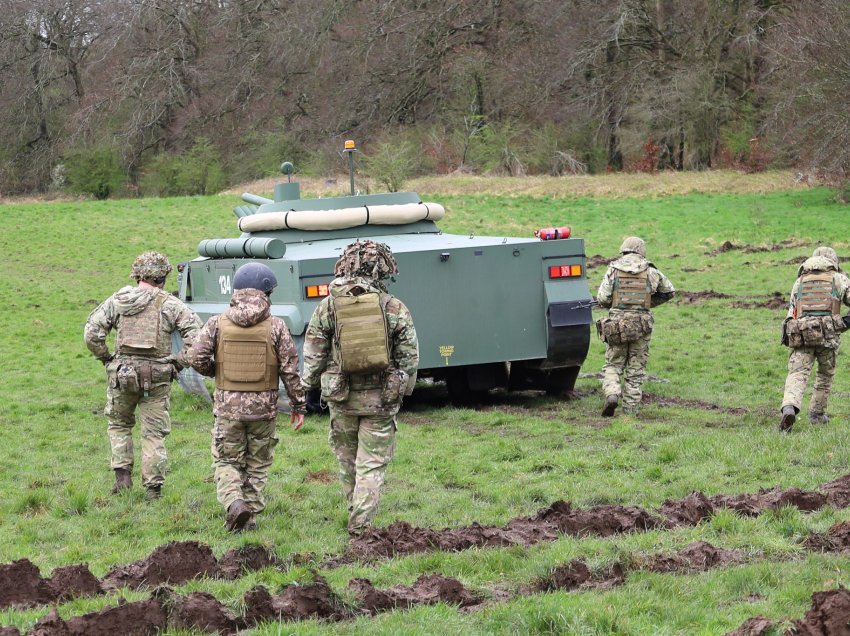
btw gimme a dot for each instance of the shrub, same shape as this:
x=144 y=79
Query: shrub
x=94 y=171
x=199 y=171
x=391 y=163
x=263 y=152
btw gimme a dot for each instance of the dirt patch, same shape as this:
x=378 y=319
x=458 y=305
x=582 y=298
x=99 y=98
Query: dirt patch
x=836 y=539
x=323 y=476
x=131 y=619
x=297 y=602
x=73 y=581
x=597 y=260
x=693 y=298
x=837 y=492
x=688 y=511
x=575 y=575
x=9 y=631
x=756 y=626
x=775 y=301
x=21 y=585
x=427 y=590
x=828 y=616
x=729 y=246
x=203 y=612
x=234 y=563
x=174 y=563
x=753 y=504
x=698 y=556
x=658 y=400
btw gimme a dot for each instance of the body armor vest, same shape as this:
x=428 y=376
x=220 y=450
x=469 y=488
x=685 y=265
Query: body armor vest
x=631 y=291
x=816 y=297
x=361 y=334
x=141 y=335
x=245 y=359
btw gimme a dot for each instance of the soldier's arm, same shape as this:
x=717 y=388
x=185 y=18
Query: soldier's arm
x=201 y=354
x=98 y=325
x=317 y=345
x=662 y=289
x=606 y=290
x=405 y=352
x=287 y=356
x=792 y=302
x=845 y=288
x=188 y=324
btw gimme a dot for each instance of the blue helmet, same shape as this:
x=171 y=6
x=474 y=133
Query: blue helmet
x=255 y=276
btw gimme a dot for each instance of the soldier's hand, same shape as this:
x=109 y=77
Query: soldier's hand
x=297 y=420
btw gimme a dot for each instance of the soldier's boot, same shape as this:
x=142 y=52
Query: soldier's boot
x=251 y=524
x=818 y=418
x=123 y=480
x=789 y=416
x=153 y=492
x=238 y=514
x=611 y=403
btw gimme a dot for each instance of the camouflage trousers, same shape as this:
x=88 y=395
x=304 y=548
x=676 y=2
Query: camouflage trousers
x=242 y=453
x=120 y=411
x=364 y=446
x=625 y=371
x=800 y=364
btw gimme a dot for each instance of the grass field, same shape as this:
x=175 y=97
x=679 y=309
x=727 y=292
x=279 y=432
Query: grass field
x=453 y=466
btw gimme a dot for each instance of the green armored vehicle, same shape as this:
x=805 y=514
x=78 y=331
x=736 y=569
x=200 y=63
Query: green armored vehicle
x=490 y=311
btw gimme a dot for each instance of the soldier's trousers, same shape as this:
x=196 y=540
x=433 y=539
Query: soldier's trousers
x=625 y=371
x=242 y=452
x=800 y=364
x=121 y=406
x=364 y=446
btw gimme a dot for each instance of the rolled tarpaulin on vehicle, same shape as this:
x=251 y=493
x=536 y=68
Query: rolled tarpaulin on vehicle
x=342 y=218
x=253 y=247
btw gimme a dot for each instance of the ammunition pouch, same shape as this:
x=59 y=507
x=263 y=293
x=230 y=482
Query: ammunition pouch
x=334 y=386
x=812 y=331
x=394 y=387
x=139 y=375
x=625 y=328
x=127 y=378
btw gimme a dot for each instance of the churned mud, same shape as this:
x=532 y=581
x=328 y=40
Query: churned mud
x=202 y=611
x=597 y=260
x=696 y=557
x=427 y=590
x=9 y=631
x=693 y=298
x=828 y=616
x=234 y=563
x=21 y=584
x=575 y=575
x=663 y=400
x=756 y=626
x=836 y=539
x=728 y=246
x=131 y=619
x=174 y=563
x=774 y=301
x=296 y=602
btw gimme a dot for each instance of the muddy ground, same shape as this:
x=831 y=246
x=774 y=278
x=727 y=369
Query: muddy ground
x=829 y=615
x=728 y=246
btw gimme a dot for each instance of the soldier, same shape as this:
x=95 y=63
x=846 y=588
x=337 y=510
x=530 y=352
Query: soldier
x=812 y=329
x=140 y=371
x=361 y=348
x=631 y=286
x=248 y=351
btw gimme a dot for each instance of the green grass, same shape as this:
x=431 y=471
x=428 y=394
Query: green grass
x=452 y=466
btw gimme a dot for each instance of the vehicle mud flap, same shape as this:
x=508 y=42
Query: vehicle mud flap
x=568 y=333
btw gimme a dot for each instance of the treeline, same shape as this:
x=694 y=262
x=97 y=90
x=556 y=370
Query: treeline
x=115 y=97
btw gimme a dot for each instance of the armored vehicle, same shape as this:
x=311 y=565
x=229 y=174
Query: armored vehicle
x=490 y=311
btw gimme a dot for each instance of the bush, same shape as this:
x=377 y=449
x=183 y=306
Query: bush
x=198 y=171
x=262 y=154
x=94 y=171
x=392 y=163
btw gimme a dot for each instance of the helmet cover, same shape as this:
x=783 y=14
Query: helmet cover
x=150 y=266
x=635 y=245
x=366 y=258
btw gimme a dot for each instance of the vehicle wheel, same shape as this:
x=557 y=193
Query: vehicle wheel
x=562 y=382
x=460 y=393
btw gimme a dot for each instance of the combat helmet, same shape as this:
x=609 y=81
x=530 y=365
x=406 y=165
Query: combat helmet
x=829 y=254
x=150 y=266
x=366 y=258
x=633 y=245
x=255 y=276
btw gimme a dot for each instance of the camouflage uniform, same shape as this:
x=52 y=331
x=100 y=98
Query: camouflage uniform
x=244 y=437
x=128 y=369
x=802 y=358
x=363 y=423
x=625 y=364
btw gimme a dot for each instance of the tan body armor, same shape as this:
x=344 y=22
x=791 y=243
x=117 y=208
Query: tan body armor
x=816 y=297
x=632 y=291
x=140 y=334
x=361 y=335
x=245 y=359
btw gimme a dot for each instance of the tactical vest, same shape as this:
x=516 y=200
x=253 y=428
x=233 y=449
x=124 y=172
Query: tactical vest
x=361 y=335
x=631 y=291
x=245 y=359
x=140 y=334
x=815 y=296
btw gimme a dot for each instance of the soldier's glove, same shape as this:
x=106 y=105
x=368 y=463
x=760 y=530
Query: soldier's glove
x=784 y=340
x=846 y=321
x=107 y=359
x=313 y=397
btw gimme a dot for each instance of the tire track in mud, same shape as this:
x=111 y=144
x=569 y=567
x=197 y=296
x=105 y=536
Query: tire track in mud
x=175 y=563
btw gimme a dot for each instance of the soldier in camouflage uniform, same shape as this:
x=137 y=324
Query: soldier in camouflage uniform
x=140 y=371
x=812 y=329
x=631 y=286
x=248 y=351
x=363 y=374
